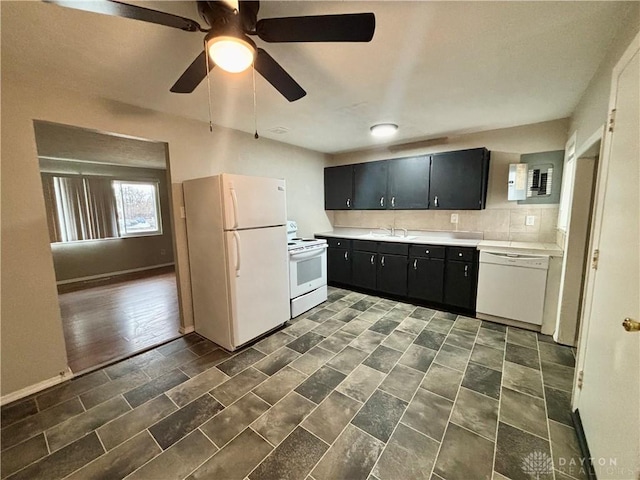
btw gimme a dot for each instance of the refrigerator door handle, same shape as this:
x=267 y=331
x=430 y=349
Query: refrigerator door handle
x=234 y=201
x=236 y=235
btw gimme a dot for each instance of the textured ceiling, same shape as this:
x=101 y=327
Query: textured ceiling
x=434 y=68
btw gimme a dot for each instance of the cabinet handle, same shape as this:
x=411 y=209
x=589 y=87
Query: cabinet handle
x=466 y=270
x=393 y=201
x=372 y=259
x=348 y=202
x=382 y=261
x=426 y=251
x=346 y=255
x=415 y=264
x=382 y=201
x=459 y=254
x=435 y=201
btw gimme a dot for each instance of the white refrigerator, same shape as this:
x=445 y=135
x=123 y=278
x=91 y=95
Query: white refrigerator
x=238 y=256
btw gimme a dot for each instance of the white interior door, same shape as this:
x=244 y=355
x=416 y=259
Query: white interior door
x=609 y=402
x=259 y=281
x=253 y=202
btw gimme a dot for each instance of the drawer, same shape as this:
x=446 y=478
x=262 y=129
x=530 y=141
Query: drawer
x=393 y=248
x=365 y=245
x=464 y=254
x=338 y=242
x=427 y=251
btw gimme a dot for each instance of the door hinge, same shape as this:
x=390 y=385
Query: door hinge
x=595 y=258
x=580 y=378
x=612 y=119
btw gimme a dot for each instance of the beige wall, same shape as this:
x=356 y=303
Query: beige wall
x=592 y=109
x=501 y=220
x=32 y=342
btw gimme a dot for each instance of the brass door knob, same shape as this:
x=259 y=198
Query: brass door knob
x=631 y=325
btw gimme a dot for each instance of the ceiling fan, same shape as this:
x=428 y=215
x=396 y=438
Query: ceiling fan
x=227 y=40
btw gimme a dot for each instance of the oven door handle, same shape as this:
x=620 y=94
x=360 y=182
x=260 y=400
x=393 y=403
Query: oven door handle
x=309 y=254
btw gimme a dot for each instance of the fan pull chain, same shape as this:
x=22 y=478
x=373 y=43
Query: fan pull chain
x=255 y=109
x=208 y=87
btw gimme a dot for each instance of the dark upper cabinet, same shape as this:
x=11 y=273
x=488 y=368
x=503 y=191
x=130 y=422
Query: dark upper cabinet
x=370 y=185
x=448 y=181
x=338 y=188
x=408 y=183
x=459 y=180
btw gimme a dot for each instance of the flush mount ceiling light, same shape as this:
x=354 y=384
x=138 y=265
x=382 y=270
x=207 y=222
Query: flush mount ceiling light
x=384 y=129
x=232 y=54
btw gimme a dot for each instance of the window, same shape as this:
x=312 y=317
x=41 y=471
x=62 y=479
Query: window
x=92 y=207
x=137 y=206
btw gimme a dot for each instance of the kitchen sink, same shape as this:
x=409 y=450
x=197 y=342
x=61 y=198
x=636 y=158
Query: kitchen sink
x=387 y=237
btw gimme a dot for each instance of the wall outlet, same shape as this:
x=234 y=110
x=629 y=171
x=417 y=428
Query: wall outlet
x=530 y=220
x=454 y=218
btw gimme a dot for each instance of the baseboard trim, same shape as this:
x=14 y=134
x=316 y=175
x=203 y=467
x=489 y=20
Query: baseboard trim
x=113 y=274
x=187 y=329
x=36 y=387
x=584 y=446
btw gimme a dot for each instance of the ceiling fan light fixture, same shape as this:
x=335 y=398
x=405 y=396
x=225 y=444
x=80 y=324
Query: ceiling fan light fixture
x=231 y=54
x=384 y=129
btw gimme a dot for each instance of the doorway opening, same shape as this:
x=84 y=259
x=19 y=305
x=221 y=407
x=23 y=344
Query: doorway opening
x=108 y=205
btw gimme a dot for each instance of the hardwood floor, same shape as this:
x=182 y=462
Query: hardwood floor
x=105 y=323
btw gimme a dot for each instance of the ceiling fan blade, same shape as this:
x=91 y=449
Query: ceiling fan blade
x=277 y=76
x=193 y=75
x=119 y=9
x=350 y=27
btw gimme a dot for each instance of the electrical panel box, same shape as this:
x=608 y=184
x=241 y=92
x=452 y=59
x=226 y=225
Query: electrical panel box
x=517 y=187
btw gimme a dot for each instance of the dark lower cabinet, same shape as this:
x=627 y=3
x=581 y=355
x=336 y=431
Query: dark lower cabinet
x=339 y=265
x=425 y=279
x=460 y=284
x=363 y=273
x=434 y=274
x=392 y=274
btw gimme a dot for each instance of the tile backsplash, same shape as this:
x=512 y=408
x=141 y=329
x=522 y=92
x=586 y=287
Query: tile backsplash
x=495 y=223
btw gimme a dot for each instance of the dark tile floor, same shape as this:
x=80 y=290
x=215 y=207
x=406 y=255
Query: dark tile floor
x=359 y=387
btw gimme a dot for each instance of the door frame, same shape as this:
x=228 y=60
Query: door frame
x=596 y=220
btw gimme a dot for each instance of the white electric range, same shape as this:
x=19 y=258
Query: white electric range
x=307 y=271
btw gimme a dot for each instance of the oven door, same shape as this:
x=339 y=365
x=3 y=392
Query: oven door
x=307 y=271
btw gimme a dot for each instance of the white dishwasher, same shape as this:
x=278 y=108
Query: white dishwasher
x=512 y=286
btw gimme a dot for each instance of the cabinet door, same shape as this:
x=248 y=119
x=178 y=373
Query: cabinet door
x=339 y=265
x=460 y=285
x=459 y=180
x=392 y=274
x=338 y=188
x=363 y=270
x=426 y=279
x=370 y=185
x=409 y=183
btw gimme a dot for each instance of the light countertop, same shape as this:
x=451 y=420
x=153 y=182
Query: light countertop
x=458 y=239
